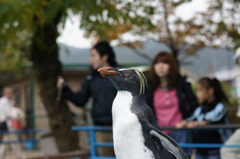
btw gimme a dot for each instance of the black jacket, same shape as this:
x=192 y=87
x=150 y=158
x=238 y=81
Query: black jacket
x=103 y=93
x=186 y=98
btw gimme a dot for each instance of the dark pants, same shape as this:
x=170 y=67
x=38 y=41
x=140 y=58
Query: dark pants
x=3 y=126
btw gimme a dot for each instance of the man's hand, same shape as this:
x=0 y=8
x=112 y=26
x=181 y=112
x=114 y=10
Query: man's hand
x=60 y=82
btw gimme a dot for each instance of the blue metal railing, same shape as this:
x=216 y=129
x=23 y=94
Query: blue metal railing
x=94 y=144
x=18 y=132
x=27 y=131
x=92 y=138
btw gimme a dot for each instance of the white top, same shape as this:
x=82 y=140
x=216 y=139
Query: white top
x=16 y=113
x=8 y=111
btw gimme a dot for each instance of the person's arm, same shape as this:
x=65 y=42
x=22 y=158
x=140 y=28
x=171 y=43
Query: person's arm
x=193 y=124
x=189 y=122
x=195 y=115
x=79 y=98
x=193 y=120
x=216 y=114
x=181 y=124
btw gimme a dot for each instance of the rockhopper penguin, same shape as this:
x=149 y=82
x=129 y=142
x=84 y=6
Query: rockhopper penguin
x=136 y=134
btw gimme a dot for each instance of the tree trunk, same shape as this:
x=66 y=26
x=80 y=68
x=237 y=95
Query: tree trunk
x=171 y=43
x=44 y=55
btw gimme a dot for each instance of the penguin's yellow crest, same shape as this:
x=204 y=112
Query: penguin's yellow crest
x=142 y=79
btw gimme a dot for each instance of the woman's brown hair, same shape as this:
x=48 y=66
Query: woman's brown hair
x=165 y=57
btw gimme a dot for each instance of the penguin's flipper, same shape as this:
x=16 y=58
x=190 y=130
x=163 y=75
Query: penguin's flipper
x=169 y=144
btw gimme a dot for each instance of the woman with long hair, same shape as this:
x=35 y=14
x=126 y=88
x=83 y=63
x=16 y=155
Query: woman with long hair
x=170 y=96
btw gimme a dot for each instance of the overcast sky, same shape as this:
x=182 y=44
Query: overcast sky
x=74 y=36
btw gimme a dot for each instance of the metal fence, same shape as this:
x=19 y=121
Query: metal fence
x=19 y=144
x=93 y=129
x=25 y=143
x=32 y=144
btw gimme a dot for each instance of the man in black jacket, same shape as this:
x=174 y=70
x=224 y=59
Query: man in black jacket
x=100 y=89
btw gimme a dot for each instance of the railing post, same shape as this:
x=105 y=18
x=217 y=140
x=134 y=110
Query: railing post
x=93 y=144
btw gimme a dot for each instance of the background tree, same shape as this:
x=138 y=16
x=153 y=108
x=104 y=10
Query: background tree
x=218 y=26
x=30 y=29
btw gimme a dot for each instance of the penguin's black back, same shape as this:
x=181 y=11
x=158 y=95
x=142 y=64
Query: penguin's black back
x=148 y=122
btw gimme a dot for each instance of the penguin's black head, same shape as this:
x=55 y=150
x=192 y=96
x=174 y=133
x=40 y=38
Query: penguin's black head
x=127 y=79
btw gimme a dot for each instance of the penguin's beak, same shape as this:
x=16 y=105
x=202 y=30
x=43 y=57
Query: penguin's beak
x=107 y=71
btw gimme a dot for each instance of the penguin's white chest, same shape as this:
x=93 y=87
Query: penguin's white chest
x=127 y=130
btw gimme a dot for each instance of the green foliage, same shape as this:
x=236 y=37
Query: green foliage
x=99 y=18
x=218 y=26
x=229 y=90
x=12 y=60
x=109 y=19
x=29 y=31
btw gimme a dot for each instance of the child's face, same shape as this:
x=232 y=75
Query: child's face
x=204 y=94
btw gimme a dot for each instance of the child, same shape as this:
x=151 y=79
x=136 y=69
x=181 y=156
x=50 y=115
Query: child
x=212 y=111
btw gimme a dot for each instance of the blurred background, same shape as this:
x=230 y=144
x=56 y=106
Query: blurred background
x=42 y=39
